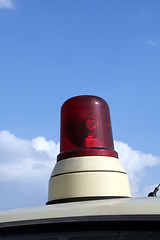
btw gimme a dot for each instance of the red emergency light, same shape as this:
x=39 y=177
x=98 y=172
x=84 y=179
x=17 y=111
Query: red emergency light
x=85 y=128
x=87 y=167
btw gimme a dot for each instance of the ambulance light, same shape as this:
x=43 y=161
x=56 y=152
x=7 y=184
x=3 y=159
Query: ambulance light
x=87 y=167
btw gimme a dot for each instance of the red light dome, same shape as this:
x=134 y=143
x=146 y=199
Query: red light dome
x=85 y=128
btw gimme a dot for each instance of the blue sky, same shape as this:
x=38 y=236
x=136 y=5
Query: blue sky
x=53 y=50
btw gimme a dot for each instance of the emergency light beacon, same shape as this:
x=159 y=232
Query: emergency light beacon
x=87 y=167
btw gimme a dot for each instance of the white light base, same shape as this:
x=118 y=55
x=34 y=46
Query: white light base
x=92 y=176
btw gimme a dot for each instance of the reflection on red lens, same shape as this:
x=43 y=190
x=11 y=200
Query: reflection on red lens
x=85 y=128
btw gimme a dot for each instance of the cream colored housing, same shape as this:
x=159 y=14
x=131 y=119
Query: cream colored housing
x=91 y=176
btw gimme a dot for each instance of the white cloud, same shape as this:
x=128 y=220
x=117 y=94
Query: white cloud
x=24 y=160
x=153 y=43
x=135 y=163
x=25 y=168
x=26 y=165
x=40 y=144
x=6 y=4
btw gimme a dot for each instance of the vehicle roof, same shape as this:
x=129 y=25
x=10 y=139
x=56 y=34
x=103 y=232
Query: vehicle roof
x=108 y=207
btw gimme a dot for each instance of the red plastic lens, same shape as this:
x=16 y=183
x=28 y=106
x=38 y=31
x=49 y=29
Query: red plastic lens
x=85 y=128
